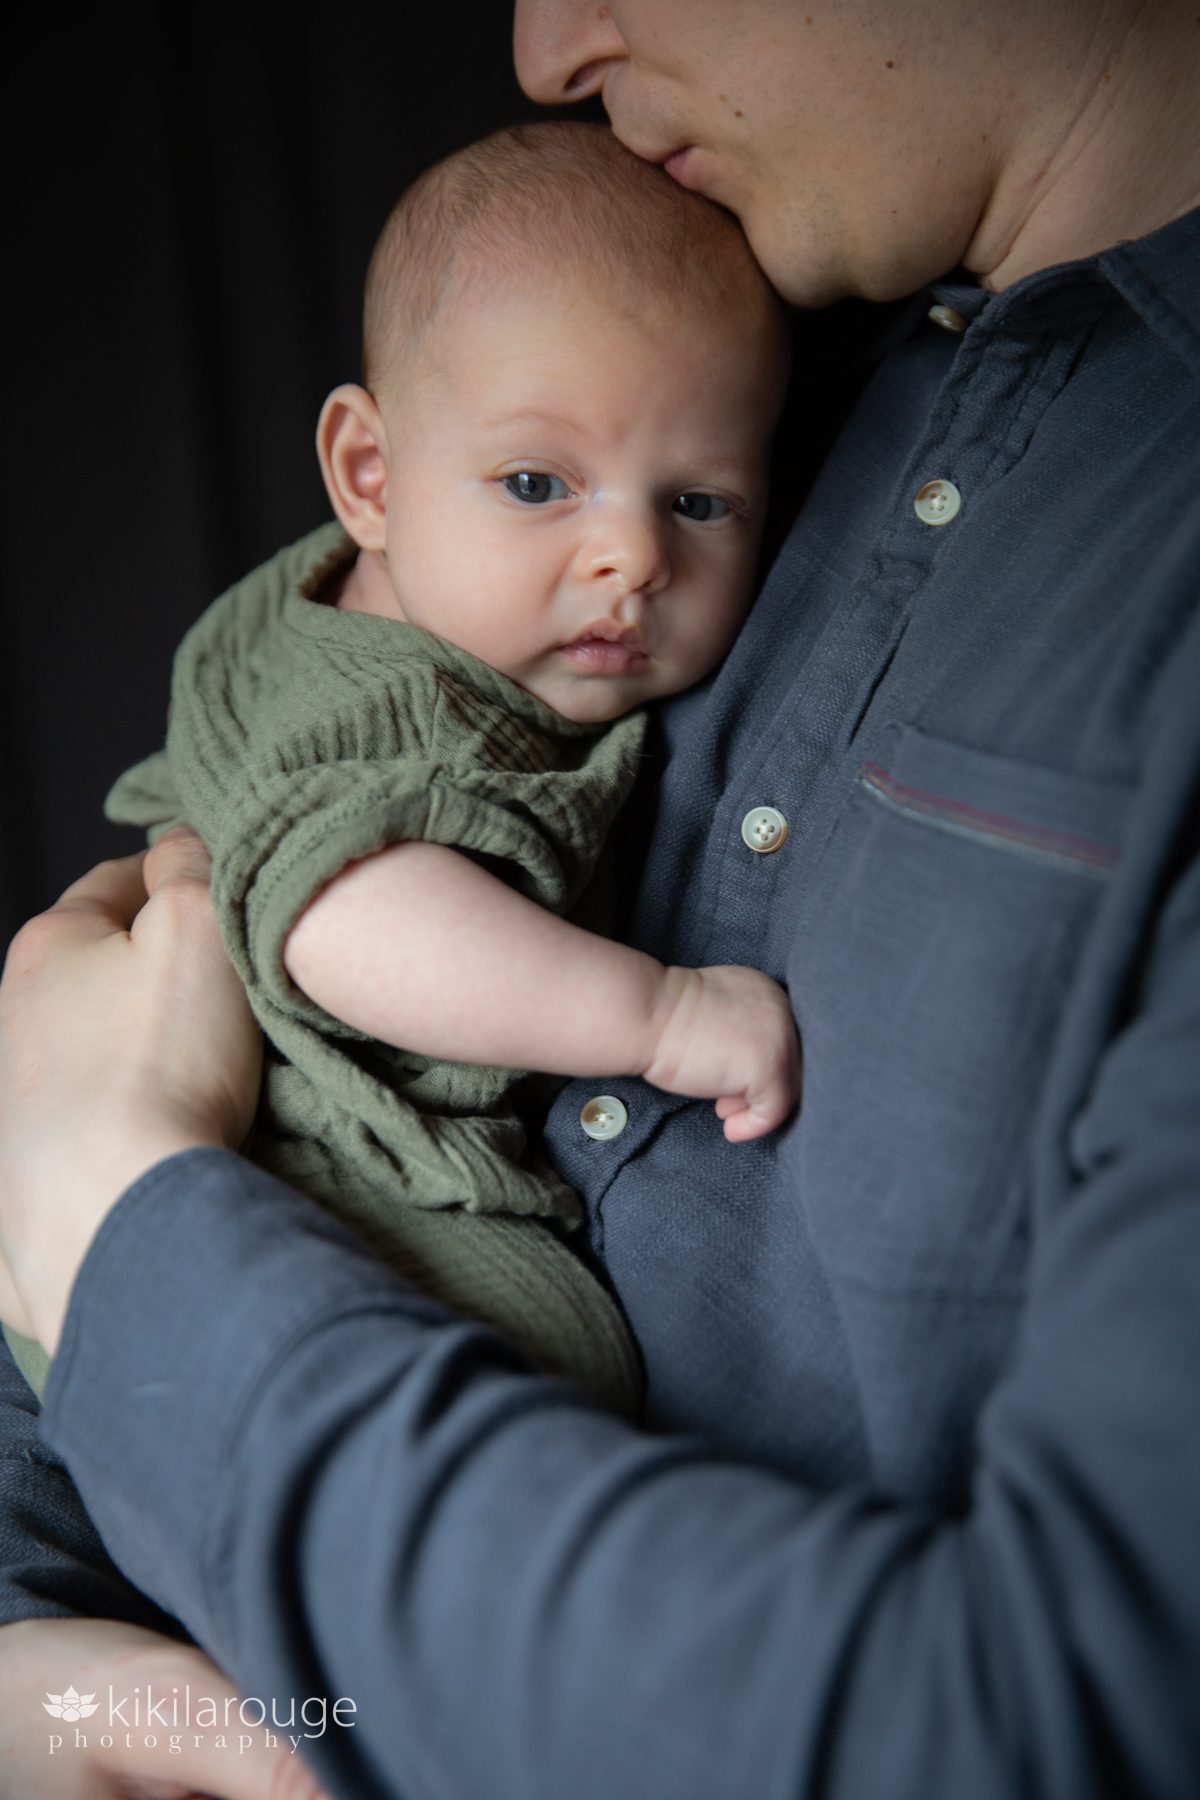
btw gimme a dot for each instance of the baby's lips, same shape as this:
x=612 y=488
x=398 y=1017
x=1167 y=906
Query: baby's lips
x=609 y=632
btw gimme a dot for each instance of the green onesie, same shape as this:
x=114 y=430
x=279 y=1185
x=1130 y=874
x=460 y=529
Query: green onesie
x=301 y=738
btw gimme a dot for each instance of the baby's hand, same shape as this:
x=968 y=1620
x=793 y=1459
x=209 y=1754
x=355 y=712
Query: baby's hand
x=727 y=1034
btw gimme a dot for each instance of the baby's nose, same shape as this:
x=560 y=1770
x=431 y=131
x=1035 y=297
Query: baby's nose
x=630 y=554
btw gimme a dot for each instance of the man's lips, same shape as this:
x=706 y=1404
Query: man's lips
x=678 y=164
x=672 y=158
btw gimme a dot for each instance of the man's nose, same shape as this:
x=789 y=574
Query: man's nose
x=562 y=48
x=627 y=555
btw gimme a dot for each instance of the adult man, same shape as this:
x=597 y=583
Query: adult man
x=944 y=1333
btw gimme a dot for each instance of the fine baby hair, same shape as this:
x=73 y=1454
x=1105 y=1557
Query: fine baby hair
x=563 y=200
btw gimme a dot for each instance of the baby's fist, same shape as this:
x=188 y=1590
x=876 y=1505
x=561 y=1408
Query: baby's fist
x=727 y=1034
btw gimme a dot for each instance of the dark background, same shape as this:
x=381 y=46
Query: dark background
x=195 y=192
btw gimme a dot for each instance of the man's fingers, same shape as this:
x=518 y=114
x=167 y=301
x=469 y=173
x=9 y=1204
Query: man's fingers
x=178 y=875
x=232 y=1759
x=12 y=1308
x=108 y=898
x=241 y=1767
x=179 y=856
x=241 y=1770
x=101 y=904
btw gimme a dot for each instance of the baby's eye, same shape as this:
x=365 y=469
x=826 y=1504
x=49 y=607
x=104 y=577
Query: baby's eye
x=535 y=488
x=701 y=507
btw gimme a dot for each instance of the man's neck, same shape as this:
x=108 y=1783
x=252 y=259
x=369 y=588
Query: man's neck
x=1117 y=154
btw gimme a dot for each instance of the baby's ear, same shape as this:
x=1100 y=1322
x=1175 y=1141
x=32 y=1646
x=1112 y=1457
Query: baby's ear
x=351 y=446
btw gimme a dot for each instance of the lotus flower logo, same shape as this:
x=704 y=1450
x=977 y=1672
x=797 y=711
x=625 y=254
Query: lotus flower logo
x=69 y=1705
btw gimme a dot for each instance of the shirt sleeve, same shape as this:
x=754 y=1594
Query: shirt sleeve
x=353 y=752
x=291 y=832
x=52 y=1563
x=525 y=1597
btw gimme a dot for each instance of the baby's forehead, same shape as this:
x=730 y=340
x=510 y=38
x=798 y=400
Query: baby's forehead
x=574 y=314
x=558 y=363
x=555 y=203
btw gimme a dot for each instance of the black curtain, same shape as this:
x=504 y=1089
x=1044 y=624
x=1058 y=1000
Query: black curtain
x=195 y=191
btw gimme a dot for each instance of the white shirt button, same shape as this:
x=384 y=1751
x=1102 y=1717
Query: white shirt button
x=937 y=502
x=948 y=318
x=763 y=830
x=604 y=1117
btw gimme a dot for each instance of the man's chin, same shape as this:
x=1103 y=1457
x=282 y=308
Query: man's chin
x=803 y=281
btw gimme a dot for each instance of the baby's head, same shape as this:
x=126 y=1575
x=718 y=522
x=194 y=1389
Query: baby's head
x=558 y=458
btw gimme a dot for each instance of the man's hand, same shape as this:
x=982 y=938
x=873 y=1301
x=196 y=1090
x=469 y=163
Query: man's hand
x=728 y=1034
x=38 y=1657
x=125 y=1036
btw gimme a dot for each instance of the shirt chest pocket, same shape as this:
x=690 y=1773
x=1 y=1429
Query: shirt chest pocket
x=938 y=941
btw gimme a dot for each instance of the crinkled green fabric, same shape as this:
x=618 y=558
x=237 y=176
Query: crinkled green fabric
x=300 y=739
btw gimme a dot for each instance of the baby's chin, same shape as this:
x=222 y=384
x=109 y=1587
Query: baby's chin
x=600 y=700
x=594 y=702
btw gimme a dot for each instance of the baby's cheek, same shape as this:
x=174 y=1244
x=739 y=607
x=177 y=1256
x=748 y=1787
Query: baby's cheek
x=709 y=641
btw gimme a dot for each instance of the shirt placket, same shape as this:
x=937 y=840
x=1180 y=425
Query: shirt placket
x=791 y=722
x=1006 y=365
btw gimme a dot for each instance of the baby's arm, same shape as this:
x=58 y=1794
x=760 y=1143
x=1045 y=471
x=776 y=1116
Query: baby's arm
x=420 y=947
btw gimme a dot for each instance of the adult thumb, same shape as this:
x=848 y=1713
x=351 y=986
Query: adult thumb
x=180 y=856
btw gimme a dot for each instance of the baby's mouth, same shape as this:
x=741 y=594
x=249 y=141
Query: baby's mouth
x=607 y=649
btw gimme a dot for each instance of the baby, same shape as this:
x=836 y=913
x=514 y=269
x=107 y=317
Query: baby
x=405 y=739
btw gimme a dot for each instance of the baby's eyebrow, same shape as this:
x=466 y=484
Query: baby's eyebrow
x=533 y=415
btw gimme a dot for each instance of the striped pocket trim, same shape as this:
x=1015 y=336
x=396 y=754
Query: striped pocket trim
x=1062 y=847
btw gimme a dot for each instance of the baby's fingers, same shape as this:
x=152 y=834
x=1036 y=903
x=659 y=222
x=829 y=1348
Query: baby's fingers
x=746 y=1117
x=766 y=1103
x=742 y=1123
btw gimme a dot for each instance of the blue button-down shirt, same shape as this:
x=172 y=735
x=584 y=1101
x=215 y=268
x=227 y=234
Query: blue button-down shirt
x=934 y=1534
x=955 y=720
